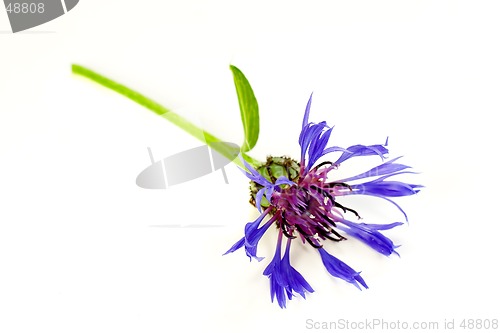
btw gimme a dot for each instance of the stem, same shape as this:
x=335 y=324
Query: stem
x=205 y=137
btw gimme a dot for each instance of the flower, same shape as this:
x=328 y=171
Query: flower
x=302 y=202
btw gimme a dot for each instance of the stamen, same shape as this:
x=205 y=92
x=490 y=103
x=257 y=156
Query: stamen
x=315 y=245
x=321 y=164
x=284 y=224
x=334 y=184
x=341 y=238
x=325 y=193
x=345 y=209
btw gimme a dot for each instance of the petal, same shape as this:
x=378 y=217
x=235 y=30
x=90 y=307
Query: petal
x=361 y=150
x=269 y=192
x=305 y=120
x=284 y=180
x=254 y=175
x=253 y=236
x=308 y=137
x=334 y=149
x=258 y=198
x=385 y=188
x=295 y=280
x=386 y=168
x=317 y=147
x=236 y=246
x=368 y=233
x=339 y=269
x=273 y=273
x=373 y=226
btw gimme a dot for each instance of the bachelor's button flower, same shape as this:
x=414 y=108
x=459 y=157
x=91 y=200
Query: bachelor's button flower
x=302 y=202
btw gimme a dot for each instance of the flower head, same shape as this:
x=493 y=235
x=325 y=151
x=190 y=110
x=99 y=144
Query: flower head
x=303 y=202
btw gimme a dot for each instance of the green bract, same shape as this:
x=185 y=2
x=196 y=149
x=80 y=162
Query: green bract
x=272 y=169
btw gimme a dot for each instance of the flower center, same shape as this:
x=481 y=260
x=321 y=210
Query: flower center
x=272 y=169
x=309 y=207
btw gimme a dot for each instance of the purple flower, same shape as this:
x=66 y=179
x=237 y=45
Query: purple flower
x=302 y=200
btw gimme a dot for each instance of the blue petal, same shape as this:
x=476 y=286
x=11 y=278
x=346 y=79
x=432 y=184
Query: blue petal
x=368 y=233
x=283 y=278
x=269 y=192
x=254 y=175
x=317 y=147
x=253 y=236
x=258 y=198
x=360 y=150
x=308 y=137
x=334 y=149
x=385 y=189
x=272 y=271
x=293 y=278
x=339 y=269
x=236 y=246
x=276 y=259
x=395 y=204
x=374 y=226
x=305 y=121
x=388 y=167
x=284 y=180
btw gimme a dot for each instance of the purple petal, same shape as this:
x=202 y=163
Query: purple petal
x=272 y=271
x=258 y=198
x=334 y=149
x=284 y=180
x=305 y=121
x=339 y=269
x=395 y=204
x=360 y=150
x=317 y=147
x=295 y=280
x=385 y=189
x=236 y=246
x=374 y=226
x=368 y=233
x=386 y=168
x=253 y=236
x=269 y=192
x=309 y=135
x=254 y=175
x=283 y=278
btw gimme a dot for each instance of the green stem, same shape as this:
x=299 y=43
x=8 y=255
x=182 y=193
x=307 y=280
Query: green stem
x=162 y=111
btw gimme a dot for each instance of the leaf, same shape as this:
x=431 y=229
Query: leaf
x=249 y=109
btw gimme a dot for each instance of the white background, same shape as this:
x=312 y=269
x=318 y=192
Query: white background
x=83 y=249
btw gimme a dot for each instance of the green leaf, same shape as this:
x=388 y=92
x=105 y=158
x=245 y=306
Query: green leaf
x=249 y=109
